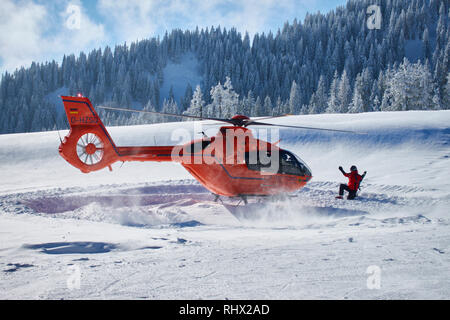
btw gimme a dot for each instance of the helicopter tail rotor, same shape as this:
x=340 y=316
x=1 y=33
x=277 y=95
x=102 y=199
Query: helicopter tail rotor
x=88 y=146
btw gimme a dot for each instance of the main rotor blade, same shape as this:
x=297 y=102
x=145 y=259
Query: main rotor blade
x=165 y=114
x=265 y=118
x=272 y=117
x=256 y=123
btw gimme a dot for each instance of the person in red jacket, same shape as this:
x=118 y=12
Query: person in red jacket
x=354 y=179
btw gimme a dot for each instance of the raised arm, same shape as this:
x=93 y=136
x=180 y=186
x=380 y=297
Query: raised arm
x=343 y=172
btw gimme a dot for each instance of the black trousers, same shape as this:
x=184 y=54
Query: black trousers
x=351 y=193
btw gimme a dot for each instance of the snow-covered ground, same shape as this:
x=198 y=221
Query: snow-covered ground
x=148 y=230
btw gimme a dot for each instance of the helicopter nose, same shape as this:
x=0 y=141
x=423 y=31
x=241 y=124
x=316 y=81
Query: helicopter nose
x=307 y=175
x=304 y=179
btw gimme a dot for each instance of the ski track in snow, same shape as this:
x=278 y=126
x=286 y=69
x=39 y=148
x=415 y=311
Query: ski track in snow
x=168 y=239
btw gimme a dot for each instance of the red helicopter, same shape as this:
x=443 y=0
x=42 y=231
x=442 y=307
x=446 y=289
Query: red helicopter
x=233 y=163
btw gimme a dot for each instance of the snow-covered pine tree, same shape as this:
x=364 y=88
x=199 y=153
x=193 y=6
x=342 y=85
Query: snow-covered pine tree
x=344 y=91
x=258 y=108
x=186 y=100
x=145 y=118
x=409 y=87
x=248 y=103
x=446 y=99
x=268 y=107
x=279 y=108
x=361 y=93
x=171 y=94
x=230 y=99
x=426 y=49
x=319 y=99
x=376 y=104
x=436 y=99
x=170 y=106
x=214 y=109
x=295 y=102
x=333 y=102
x=197 y=103
x=357 y=103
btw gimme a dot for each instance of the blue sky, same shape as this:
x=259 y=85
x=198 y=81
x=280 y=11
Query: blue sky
x=42 y=30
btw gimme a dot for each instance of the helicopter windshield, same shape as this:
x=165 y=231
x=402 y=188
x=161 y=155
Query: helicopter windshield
x=291 y=164
x=288 y=164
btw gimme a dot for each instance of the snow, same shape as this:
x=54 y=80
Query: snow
x=150 y=231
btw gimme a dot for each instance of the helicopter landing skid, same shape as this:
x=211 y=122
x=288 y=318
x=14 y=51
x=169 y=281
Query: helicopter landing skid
x=244 y=200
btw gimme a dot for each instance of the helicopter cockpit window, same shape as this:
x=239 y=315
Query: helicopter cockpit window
x=197 y=146
x=289 y=164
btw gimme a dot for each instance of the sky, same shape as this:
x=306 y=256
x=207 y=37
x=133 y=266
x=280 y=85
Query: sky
x=45 y=30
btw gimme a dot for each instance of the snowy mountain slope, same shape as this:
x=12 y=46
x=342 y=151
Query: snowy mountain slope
x=178 y=75
x=148 y=230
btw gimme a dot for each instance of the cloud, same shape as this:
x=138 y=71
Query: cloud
x=20 y=36
x=137 y=19
x=72 y=39
x=129 y=20
x=254 y=15
x=38 y=32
